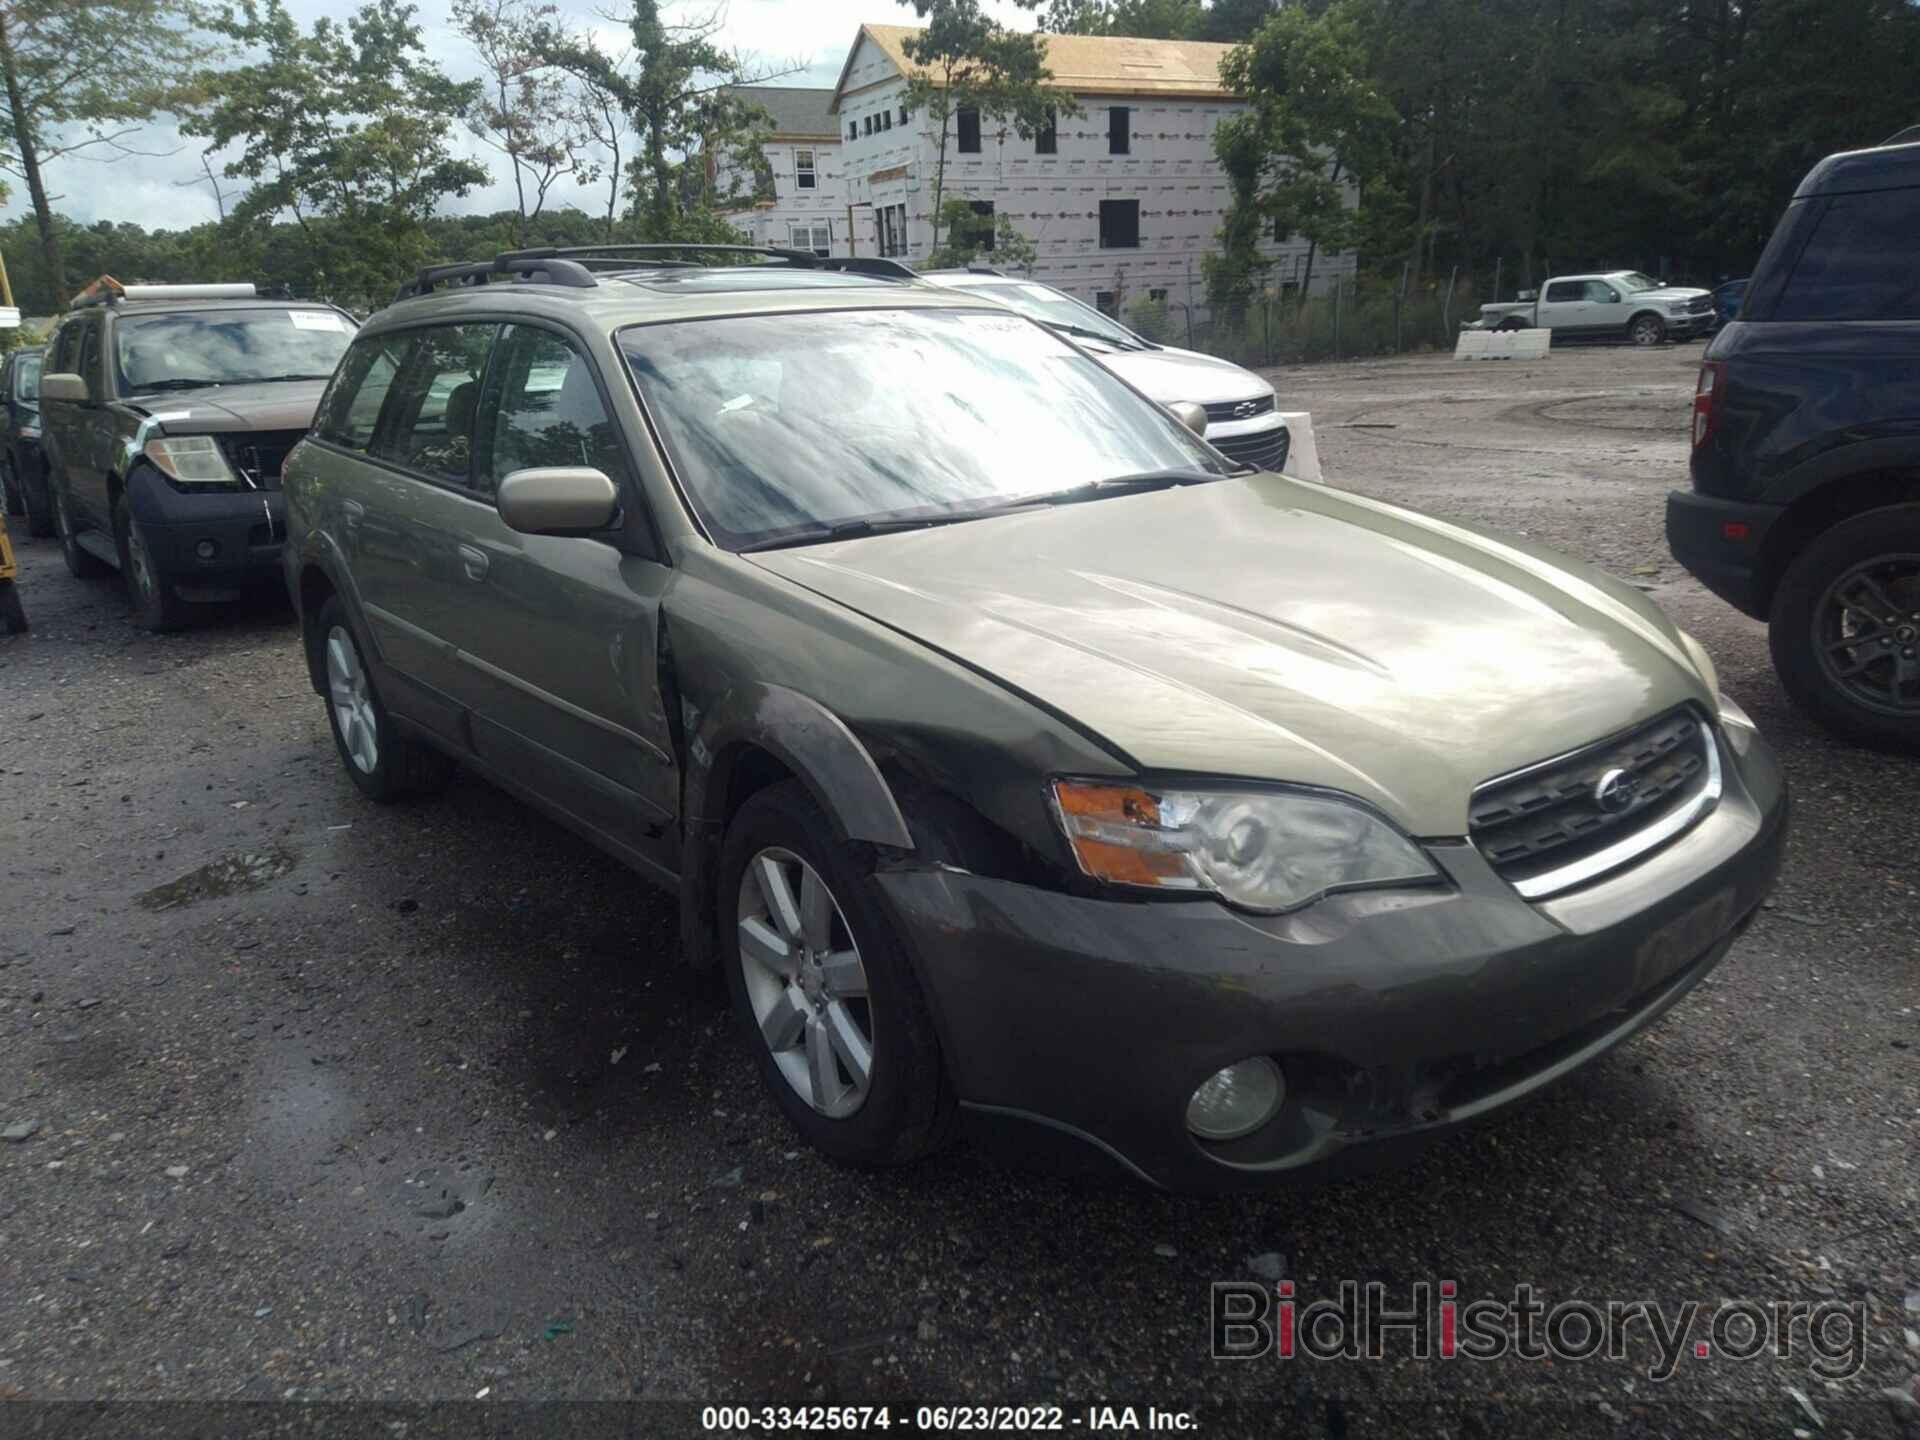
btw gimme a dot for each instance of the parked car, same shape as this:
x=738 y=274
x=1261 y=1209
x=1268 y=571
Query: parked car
x=1614 y=305
x=168 y=413
x=1242 y=417
x=1805 y=506
x=1727 y=299
x=23 y=464
x=1012 y=754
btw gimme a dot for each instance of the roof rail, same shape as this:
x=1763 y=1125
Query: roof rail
x=573 y=265
x=108 y=291
x=1907 y=136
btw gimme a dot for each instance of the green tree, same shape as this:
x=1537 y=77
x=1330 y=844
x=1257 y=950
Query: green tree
x=1314 y=127
x=1230 y=22
x=969 y=234
x=81 y=76
x=527 y=110
x=965 y=60
x=1144 y=19
x=344 y=129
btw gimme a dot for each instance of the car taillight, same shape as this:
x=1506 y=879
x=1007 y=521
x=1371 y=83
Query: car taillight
x=1706 y=399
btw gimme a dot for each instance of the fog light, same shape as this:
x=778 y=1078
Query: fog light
x=1236 y=1101
x=207 y=549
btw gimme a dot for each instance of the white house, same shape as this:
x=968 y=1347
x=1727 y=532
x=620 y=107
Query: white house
x=808 y=210
x=1123 y=198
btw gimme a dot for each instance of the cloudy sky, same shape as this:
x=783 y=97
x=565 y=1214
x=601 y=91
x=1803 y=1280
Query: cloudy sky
x=813 y=34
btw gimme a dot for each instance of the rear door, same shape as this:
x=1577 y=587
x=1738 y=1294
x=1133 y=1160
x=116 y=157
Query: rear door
x=1563 y=307
x=556 y=636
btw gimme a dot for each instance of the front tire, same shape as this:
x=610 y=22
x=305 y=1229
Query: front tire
x=10 y=482
x=824 y=989
x=149 y=587
x=1647 y=331
x=1845 y=628
x=384 y=765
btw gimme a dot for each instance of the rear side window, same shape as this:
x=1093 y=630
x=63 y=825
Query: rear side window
x=1563 y=290
x=1860 y=263
x=350 y=411
x=427 y=423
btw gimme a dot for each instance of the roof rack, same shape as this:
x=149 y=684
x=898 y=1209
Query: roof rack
x=108 y=291
x=572 y=266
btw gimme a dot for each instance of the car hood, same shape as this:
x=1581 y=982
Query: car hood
x=1668 y=293
x=281 y=405
x=1276 y=630
x=1170 y=375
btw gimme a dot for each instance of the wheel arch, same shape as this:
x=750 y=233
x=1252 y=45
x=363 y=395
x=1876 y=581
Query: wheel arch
x=1818 y=510
x=758 y=735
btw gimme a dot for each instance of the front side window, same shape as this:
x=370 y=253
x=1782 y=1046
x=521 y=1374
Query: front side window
x=349 y=412
x=803 y=172
x=89 y=361
x=1119 y=224
x=1859 y=263
x=1601 y=293
x=427 y=423
x=783 y=426
x=542 y=408
x=194 y=348
x=26 y=378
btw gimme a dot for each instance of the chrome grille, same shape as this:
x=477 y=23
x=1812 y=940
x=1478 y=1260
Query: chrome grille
x=1231 y=409
x=1266 y=449
x=260 y=454
x=1545 y=828
x=1700 y=304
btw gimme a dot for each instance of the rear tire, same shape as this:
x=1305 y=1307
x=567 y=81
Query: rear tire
x=1513 y=324
x=1647 y=331
x=905 y=1109
x=384 y=765
x=1845 y=628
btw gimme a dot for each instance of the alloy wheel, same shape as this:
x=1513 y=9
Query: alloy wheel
x=1867 y=634
x=805 y=982
x=352 y=701
x=1648 y=331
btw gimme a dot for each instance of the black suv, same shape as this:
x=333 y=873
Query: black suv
x=1805 y=507
x=168 y=413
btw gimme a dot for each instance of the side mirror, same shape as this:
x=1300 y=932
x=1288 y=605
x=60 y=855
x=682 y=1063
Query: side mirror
x=1193 y=416
x=64 y=387
x=1613 y=297
x=558 y=500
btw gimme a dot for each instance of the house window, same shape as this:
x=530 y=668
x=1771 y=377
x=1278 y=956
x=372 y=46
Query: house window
x=1046 y=140
x=969 y=120
x=803 y=172
x=903 y=114
x=1106 y=302
x=866 y=125
x=892 y=223
x=853 y=131
x=886 y=119
x=817 y=237
x=1159 y=296
x=1119 y=224
x=1119 y=140
x=984 y=209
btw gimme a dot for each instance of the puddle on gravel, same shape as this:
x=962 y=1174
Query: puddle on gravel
x=229 y=875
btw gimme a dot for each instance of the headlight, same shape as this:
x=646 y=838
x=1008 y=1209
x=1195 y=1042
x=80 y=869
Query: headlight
x=190 y=459
x=29 y=432
x=1261 y=850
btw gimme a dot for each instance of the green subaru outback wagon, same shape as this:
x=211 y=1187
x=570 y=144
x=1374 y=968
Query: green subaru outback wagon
x=1020 y=758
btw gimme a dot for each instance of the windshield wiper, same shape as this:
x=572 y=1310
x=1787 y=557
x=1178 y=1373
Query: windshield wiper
x=147 y=387
x=1125 y=485
x=863 y=525
x=275 y=379
x=1087 y=332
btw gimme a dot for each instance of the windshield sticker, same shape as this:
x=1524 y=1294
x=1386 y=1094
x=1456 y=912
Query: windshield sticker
x=317 y=320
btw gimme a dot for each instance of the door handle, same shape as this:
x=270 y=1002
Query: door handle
x=474 y=561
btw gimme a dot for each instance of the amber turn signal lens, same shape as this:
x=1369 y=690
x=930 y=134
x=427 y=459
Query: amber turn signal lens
x=1116 y=836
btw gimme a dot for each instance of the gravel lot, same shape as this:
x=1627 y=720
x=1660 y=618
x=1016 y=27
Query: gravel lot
x=338 y=1103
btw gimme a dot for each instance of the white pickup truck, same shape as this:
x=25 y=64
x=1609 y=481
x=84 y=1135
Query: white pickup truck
x=1618 y=304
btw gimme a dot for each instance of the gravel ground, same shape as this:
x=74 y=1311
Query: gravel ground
x=337 y=1103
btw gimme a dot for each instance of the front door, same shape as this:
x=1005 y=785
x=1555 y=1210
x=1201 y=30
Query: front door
x=70 y=426
x=555 y=637
x=1606 y=307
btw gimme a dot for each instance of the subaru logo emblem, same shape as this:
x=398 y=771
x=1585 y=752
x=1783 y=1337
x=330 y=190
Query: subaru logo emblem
x=1246 y=409
x=1614 y=791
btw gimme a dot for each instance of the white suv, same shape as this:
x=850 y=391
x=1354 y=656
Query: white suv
x=1243 y=418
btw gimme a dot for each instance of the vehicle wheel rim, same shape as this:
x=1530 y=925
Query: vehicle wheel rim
x=805 y=983
x=1867 y=634
x=1646 y=333
x=352 y=701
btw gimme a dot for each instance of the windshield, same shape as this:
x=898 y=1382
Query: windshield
x=26 y=377
x=1054 y=307
x=1634 y=280
x=228 y=347
x=780 y=425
